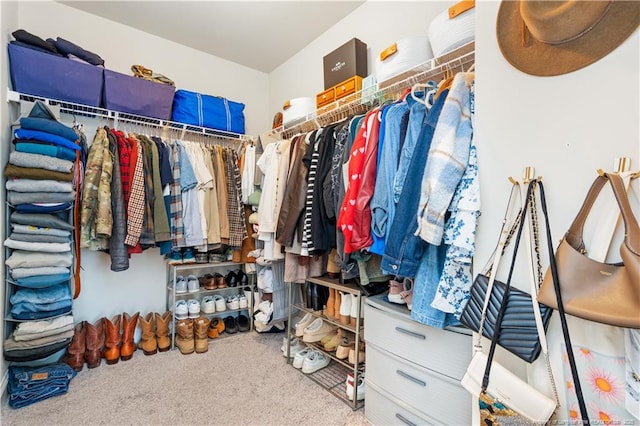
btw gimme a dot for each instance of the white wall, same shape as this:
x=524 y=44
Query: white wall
x=142 y=287
x=377 y=23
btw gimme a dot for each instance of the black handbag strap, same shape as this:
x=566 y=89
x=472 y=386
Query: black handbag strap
x=563 y=319
x=503 y=304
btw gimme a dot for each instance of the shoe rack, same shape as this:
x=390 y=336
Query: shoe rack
x=333 y=376
x=199 y=270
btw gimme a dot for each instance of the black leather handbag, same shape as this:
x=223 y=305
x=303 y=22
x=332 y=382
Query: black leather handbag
x=518 y=333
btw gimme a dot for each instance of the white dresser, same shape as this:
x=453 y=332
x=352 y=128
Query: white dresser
x=413 y=371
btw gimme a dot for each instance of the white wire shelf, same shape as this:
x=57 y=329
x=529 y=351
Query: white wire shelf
x=118 y=117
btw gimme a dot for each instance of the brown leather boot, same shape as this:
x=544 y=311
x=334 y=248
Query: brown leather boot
x=112 y=339
x=336 y=305
x=128 y=329
x=162 y=331
x=75 y=351
x=201 y=326
x=184 y=336
x=148 y=343
x=331 y=303
x=94 y=343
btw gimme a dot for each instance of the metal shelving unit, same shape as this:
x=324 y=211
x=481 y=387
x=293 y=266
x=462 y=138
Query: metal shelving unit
x=333 y=377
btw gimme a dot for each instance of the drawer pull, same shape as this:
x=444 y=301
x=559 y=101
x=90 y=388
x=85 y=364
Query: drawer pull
x=404 y=420
x=411 y=333
x=413 y=379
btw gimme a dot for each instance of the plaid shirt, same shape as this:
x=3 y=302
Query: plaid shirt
x=135 y=207
x=175 y=202
x=237 y=229
x=125 y=163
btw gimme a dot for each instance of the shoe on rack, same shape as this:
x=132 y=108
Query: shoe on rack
x=332 y=344
x=303 y=323
x=295 y=347
x=298 y=359
x=353 y=314
x=242 y=302
x=193 y=306
x=231 y=279
x=314 y=362
x=359 y=389
x=219 y=280
x=348 y=342
x=345 y=309
x=407 y=295
x=243 y=278
x=188 y=256
x=232 y=303
x=317 y=330
x=283 y=348
x=208 y=282
x=361 y=355
x=329 y=336
x=208 y=305
x=175 y=257
x=181 y=284
x=220 y=303
x=230 y=325
x=193 y=285
x=216 y=328
x=181 y=311
x=243 y=323
x=202 y=257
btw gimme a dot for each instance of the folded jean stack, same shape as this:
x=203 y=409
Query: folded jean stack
x=41 y=192
x=28 y=385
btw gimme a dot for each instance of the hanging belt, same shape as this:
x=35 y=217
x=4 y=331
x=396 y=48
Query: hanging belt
x=76 y=225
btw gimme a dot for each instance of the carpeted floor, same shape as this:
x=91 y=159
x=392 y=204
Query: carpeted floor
x=242 y=380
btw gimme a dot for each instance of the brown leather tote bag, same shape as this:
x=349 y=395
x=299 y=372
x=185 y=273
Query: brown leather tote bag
x=602 y=292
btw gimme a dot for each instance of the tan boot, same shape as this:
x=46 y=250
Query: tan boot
x=148 y=343
x=94 y=343
x=162 y=331
x=112 y=339
x=128 y=329
x=331 y=303
x=201 y=326
x=75 y=351
x=336 y=305
x=184 y=336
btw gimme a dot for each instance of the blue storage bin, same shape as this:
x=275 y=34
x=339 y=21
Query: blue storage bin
x=135 y=95
x=54 y=77
x=213 y=112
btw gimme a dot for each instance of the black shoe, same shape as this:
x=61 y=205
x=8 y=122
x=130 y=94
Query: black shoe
x=243 y=323
x=243 y=279
x=310 y=290
x=231 y=279
x=230 y=325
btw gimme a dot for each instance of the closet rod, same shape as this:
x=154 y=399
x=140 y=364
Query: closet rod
x=101 y=113
x=460 y=59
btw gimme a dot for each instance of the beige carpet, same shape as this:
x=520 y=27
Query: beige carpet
x=242 y=380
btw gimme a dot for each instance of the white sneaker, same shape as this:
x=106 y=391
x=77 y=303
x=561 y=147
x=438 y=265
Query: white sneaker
x=181 y=284
x=317 y=330
x=220 y=303
x=242 y=302
x=296 y=346
x=299 y=358
x=181 y=311
x=360 y=389
x=283 y=348
x=314 y=362
x=303 y=323
x=193 y=306
x=232 y=303
x=193 y=286
x=208 y=305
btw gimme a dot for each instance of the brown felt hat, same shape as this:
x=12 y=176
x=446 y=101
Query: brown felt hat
x=548 y=38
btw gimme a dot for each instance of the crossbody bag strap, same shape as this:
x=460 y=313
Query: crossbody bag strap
x=494 y=260
x=503 y=304
x=535 y=278
x=556 y=285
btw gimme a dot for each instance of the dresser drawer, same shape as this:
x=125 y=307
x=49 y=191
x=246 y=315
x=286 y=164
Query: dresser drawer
x=382 y=409
x=443 y=351
x=326 y=97
x=429 y=393
x=348 y=87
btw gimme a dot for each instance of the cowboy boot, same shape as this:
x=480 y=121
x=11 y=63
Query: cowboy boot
x=148 y=342
x=128 y=329
x=184 y=337
x=94 y=343
x=112 y=339
x=162 y=331
x=201 y=326
x=75 y=351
